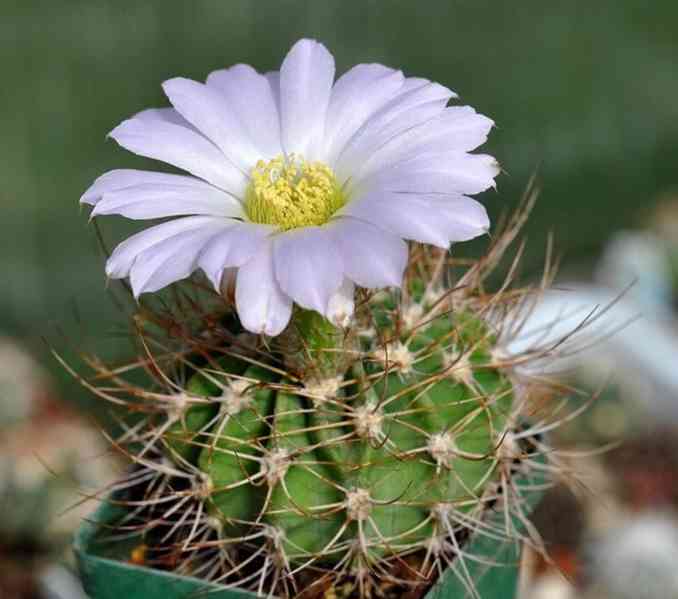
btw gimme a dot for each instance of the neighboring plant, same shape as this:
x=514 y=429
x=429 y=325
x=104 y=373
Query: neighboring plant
x=636 y=559
x=296 y=431
x=48 y=456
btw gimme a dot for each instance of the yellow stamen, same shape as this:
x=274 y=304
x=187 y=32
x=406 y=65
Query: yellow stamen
x=290 y=192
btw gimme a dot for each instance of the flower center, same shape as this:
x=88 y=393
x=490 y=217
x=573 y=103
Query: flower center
x=290 y=192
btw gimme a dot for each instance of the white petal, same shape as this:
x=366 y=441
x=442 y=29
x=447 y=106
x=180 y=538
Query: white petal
x=437 y=173
x=121 y=260
x=182 y=147
x=372 y=257
x=172 y=259
x=456 y=129
x=356 y=96
x=250 y=97
x=308 y=266
x=273 y=78
x=262 y=306
x=121 y=178
x=419 y=101
x=306 y=77
x=231 y=248
x=159 y=200
x=206 y=108
x=342 y=304
x=435 y=219
x=164 y=115
x=465 y=215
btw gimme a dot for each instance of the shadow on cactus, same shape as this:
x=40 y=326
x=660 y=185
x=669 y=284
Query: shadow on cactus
x=360 y=460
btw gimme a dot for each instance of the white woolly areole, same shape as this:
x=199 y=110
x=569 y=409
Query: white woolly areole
x=441 y=511
x=396 y=356
x=322 y=390
x=236 y=397
x=459 y=367
x=358 y=504
x=443 y=449
x=177 y=405
x=368 y=421
x=275 y=464
x=411 y=315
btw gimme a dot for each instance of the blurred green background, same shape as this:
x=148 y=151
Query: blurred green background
x=583 y=92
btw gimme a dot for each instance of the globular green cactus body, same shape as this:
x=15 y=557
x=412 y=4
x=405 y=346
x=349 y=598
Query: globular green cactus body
x=348 y=456
x=365 y=462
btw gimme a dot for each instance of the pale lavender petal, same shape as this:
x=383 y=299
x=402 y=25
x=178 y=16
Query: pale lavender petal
x=159 y=200
x=172 y=259
x=356 y=96
x=307 y=266
x=231 y=248
x=457 y=129
x=306 y=77
x=122 y=178
x=164 y=115
x=250 y=97
x=273 y=78
x=182 y=147
x=261 y=304
x=121 y=260
x=419 y=101
x=436 y=173
x=372 y=257
x=435 y=219
x=206 y=108
x=466 y=217
x=342 y=304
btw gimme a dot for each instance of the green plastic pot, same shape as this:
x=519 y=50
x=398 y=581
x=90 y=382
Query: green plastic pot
x=105 y=577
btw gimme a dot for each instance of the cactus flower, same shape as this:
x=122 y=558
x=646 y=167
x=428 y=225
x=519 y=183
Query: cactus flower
x=307 y=186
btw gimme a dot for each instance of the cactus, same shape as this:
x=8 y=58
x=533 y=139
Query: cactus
x=347 y=458
x=355 y=467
